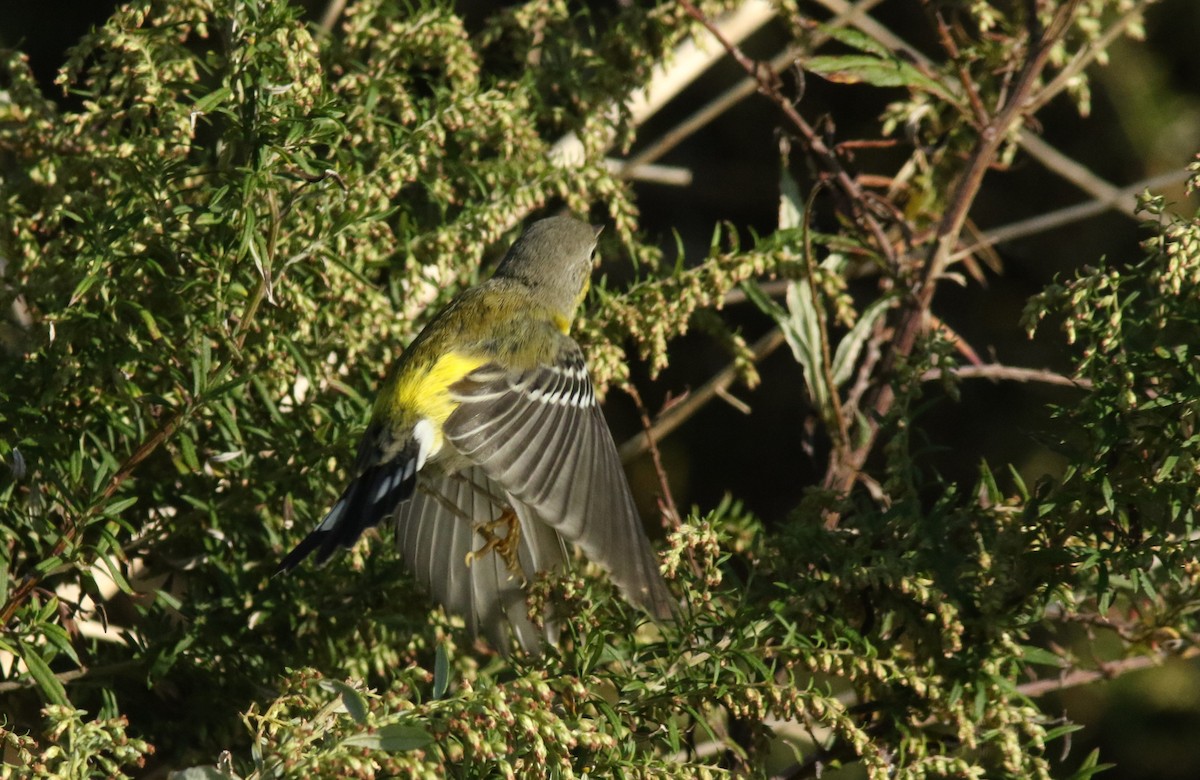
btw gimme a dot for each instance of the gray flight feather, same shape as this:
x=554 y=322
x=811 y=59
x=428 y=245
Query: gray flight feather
x=541 y=435
x=436 y=530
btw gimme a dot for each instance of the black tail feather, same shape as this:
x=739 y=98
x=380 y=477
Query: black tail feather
x=366 y=502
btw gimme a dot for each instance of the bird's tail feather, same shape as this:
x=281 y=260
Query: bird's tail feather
x=366 y=502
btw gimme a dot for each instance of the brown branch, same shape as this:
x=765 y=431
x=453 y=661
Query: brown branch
x=331 y=14
x=964 y=77
x=1106 y=671
x=149 y=445
x=1074 y=172
x=23 y=591
x=1069 y=214
x=843 y=471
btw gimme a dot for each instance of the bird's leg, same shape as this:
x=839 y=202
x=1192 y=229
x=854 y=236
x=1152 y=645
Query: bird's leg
x=506 y=546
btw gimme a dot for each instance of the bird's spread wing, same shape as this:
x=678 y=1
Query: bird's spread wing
x=386 y=474
x=444 y=532
x=541 y=435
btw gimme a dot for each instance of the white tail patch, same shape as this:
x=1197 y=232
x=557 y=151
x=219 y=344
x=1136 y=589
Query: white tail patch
x=426 y=438
x=334 y=517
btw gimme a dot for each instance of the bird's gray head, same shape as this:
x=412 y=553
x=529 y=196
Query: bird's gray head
x=553 y=257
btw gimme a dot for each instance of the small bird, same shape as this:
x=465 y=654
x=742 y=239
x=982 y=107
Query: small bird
x=487 y=446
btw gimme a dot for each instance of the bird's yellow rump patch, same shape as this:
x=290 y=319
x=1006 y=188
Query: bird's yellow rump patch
x=426 y=394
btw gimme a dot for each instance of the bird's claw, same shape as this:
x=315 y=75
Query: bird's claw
x=506 y=546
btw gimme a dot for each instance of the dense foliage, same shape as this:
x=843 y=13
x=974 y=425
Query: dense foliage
x=212 y=251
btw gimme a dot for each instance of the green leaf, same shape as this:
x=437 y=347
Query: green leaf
x=210 y=101
x=1041 y=656
x=876 y=71
x=82 y=287
x=353 y=700
x=791 y=202
x=57 y=636
x=1090 y=766
x=150 y=323
x=802 y=331
x=51 y=687
x=47 y=565
x=845 y=357
x=1167 y=467
x=392 y=738
x=114 y=508
x=441 y=672
x=187 y=448
x=113 y=569
x=857 y=39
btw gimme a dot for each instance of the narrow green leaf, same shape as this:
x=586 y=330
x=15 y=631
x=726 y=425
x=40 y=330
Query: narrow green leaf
x=1062 y=731
x=441 y=672
x=791 y=202
x=1018 y=482
x=1166 y=468
x=117 y=507
x=82 y=287
x=1091 y=766
x=211 y=100
x=40 y=671
x=857 y=39
x=1041 y=656
x=392 y=738
x=353 y=700
x=802 y=331
x=845 y=357
x=187 y=449
x=115 y=574
x=150 y=323
x=876 y=71
x=57 y=636
x=47 y=565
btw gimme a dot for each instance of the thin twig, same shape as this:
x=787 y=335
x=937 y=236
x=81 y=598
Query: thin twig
x=147 y=447
x=8 y=686
x=964 y=77
x=1065 y=216
x=1086 y=57
x=997 y=372
x=1107 y=671
x=745 y=87
x=686 y=62
x=1051 y=157
x=1074 y=172
x=843 y=471
x=332 y=13
x=671 y=518
x=768 y=85
x=672 y=418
